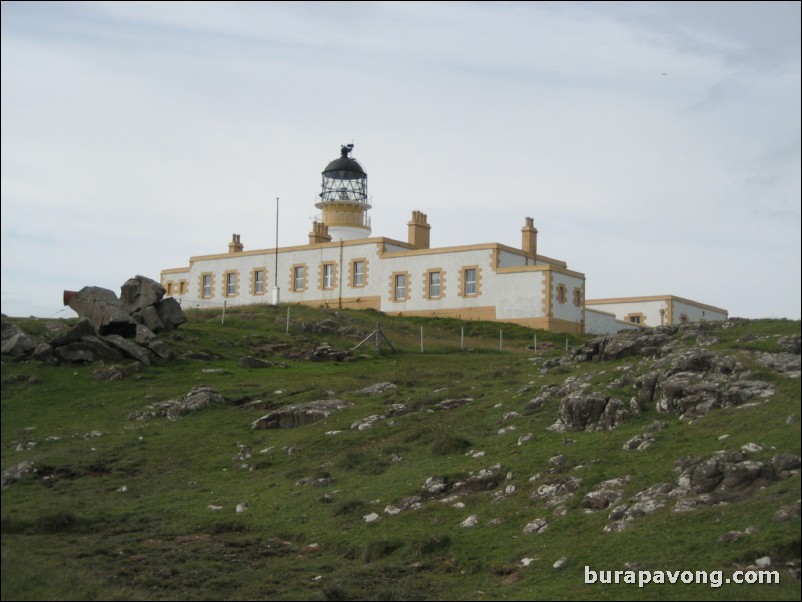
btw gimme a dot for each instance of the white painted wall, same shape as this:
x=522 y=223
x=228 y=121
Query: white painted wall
x=597 y=322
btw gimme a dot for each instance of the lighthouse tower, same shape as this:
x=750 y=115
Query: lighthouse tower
x=344 y=198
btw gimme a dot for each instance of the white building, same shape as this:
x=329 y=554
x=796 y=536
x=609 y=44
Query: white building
x=343 y=266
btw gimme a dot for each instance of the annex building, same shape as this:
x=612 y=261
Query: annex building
x=344 y=266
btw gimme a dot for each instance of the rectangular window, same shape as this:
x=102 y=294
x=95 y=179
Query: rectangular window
x=434 y=284
x=634 y=319
x=169 y=288
x=562 y=293
x=231 y=283
x=400 y=287
x=359 y=273
x=258 y=281
x=298 y=278
x=182 y=287
x=207 y=285
x=469 y=278
x=328 y=275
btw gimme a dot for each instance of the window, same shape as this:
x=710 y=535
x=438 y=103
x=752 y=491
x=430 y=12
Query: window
x=359 y=273
x=562 y=293
x=634 y=319
x=469 y=280
x=578 y=297
x=434 y=285
x=231 y=283
x=683 y=319
x=400 y=287
x=206 y=285
x=328 y=275
x=298 y=278
x=169 y=288
x=182 y=287
x=258 y=282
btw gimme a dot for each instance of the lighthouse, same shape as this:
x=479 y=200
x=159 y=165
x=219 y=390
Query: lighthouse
x=344 y=198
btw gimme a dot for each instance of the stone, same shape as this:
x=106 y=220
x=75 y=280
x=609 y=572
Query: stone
x=371 y=518
x=15 y=473
x=253 y=362
x=43 y=352
x=100 y=349
x=588 y=412
x=525 y=438
x=377 y=388
x=107 y=314
x=785 y=462
x=198 y=398
x=243 y=507
x=469 y=522
x=78 y=353
x=140 y=292
x=130 y=348
x=787 y=513
x=296 y=415
x=600 y=499
x=15 y=341
x=434 y=485
x=560 y=564
x=170 y=313
x=149 y=317
x=538 y=525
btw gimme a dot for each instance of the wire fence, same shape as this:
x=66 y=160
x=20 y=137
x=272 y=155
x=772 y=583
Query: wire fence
x=406 y=334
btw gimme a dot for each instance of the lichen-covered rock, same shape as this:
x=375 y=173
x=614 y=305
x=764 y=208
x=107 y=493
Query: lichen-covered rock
x=293 y=416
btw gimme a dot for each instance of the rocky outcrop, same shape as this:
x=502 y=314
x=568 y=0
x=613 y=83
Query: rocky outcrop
x=198 y=398
x=720 y=479
x=300 y=414
x=109 y=328
x=15 y=341
x=589 y=412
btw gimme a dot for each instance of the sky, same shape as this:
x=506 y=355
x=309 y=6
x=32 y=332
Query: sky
x=656 y=145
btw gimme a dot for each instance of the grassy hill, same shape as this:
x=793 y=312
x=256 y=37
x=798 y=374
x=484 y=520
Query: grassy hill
x=119 y=508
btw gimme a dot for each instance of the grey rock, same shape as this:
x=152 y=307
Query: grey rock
x=43 y=352
x=15 y=341
x=538 y=525
x=378 y=388
x=100 y=349
x=149 y=317
x=170 y=313
x=78 y=353
x=787 y=513
x=296 y=415
x=253 y=362
x=784 y=462
x=81 y=329
x=15 y=473
x=130 y=348
x=140 y=292
x=198 y=398
x=107 y=313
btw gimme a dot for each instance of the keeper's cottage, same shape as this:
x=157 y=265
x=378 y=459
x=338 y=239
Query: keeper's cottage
x=343 y=265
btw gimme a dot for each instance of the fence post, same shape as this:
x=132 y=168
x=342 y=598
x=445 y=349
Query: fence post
x=287 y=330
x=223 y=317
x=421 y=339
x=500 y=340
x=535 y=342
x=462 y=338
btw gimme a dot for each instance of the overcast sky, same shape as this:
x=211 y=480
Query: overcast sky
x=656 y=145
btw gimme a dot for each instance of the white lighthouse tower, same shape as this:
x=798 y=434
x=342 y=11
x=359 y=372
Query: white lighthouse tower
x=344 y=198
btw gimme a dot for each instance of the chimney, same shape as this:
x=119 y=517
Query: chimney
x=419 y=231
x=319 y=233
x=235 y=246
x=529 y=238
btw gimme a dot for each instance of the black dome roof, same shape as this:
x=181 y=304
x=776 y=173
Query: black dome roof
x=345 y=163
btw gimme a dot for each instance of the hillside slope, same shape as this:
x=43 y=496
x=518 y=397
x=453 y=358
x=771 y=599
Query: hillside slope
x=450 y=474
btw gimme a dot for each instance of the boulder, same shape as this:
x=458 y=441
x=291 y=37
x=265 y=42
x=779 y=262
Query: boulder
x=15 y=341
x=253 y=362
x=78 y=353
x=590 y=412
x=130 y=348
x=140 y=292
x=170 y=313
x=149 y=317
x=100 y=349
x=107 y=313
x=81 y=329
x=296 y=415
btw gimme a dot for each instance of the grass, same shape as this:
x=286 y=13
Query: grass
x=126 y=514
